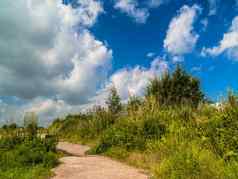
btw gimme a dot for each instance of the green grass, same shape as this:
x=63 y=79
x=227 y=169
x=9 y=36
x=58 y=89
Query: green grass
x=36 y=172
x=26 y=158
x=170 y=142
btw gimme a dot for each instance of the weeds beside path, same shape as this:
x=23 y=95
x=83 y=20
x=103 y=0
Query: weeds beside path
x=80 y=165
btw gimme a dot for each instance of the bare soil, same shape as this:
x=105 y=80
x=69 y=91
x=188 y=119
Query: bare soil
x=82 y=166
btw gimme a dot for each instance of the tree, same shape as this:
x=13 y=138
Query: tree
x=185 y=88
x=176 y=89
x=30 y=124
x=114 y=102
x=153 y=89
x=160 y=88
x=12 y=126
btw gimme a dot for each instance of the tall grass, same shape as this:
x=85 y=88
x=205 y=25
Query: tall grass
x=172 y=142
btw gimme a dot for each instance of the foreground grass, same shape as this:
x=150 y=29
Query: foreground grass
x=26 y=157
x=36 y=172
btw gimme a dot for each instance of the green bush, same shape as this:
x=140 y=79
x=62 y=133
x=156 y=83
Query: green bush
x=222 y=132
x=26 y=157
x=83 y=127
x=126 y=134
x=131 y=134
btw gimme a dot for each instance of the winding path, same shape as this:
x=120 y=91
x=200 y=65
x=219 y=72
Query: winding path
x=82 y=166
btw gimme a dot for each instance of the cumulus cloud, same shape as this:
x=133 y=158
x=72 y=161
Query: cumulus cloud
x=132 y=81
x=9 y=113
x=128 y=82
x=228 y=45
x=46 y=50
x=133 y=8
x=181 y=38
x=130 y=7
x=46 y=109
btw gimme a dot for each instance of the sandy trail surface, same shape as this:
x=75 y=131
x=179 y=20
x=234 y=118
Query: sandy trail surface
x=82 y=166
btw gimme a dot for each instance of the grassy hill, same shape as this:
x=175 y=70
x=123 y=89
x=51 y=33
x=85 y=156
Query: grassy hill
x=173 y=132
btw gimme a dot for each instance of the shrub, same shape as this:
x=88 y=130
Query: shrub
x=153 y=128
x=176 y=89
x=222 y=132
x=131 y=134
x=26 y=158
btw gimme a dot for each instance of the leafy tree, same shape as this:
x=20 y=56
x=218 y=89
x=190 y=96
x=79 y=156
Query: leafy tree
x=185 y=88
x=160 y=88
x=12 y=126
x=176 y=89
x=153 y=89
x=114 y=101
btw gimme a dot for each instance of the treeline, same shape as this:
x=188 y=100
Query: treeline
x=173 y=131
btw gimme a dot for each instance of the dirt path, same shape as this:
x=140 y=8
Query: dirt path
x=81 y=166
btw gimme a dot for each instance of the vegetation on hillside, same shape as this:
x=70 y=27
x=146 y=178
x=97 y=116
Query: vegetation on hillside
x=24 y=153
x=172 y=131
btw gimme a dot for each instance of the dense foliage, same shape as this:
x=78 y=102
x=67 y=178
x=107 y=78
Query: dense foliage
x=24 y=154
x=178 y=88
x=173 y=132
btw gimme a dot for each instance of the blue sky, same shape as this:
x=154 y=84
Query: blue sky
x=69 y=54
x=131 y=41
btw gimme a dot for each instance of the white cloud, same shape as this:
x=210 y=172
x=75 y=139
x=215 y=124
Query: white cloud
x=228 y=45
x=133 y=8
x=177 y=59
x=196 y=69
x=46 y=109
x=130 y=7
x=55 y=65
x=46 y=50
x=155 y=3
x=150 y=54
x=130 y=82
x=204 y=22
x=213 y=4
x=127 y=81
x=181 y=38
